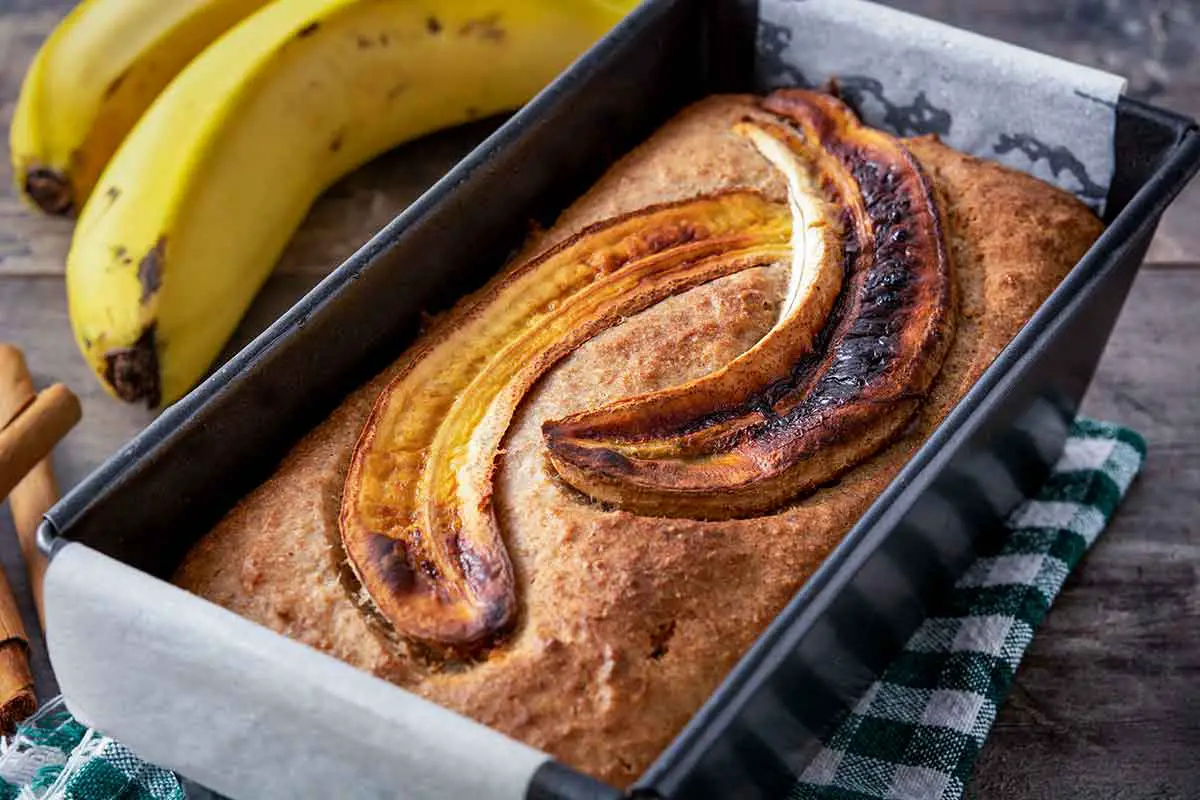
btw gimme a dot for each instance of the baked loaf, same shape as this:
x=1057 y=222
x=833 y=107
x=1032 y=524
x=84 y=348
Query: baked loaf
x=601 y=596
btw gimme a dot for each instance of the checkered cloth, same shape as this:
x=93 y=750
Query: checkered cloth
x=53 y=757
x=916 y=732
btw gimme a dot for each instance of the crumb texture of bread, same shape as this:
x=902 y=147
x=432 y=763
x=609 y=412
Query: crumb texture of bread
x=628 y=623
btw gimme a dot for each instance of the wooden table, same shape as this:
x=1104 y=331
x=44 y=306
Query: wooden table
x=1107 y=701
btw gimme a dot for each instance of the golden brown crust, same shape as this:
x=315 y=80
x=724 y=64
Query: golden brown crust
x=629 y=623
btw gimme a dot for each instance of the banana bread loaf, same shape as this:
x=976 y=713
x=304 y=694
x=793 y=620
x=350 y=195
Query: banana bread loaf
x=615 y=593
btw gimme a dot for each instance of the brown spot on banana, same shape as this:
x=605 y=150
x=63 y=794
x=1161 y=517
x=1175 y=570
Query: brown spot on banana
x=150 y=269
x=115 y=85
x=50 y=190
x=132 y=372
x=488 y=28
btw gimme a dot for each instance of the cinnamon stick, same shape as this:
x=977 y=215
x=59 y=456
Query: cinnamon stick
x=38 y=490
x=28 y=502
x=16 y=385
x=17 y=698
x=32 y=433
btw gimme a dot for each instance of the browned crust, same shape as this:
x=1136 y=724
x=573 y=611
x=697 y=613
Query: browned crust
x=629 y=623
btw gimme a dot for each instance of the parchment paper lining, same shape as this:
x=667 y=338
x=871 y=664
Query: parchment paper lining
x=908 y=75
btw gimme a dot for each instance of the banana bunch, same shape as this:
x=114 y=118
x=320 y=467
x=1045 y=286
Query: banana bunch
x=265 y=104
x=93 y=79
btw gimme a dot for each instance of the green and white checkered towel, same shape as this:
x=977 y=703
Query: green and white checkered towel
x=53 y=757
x=916 y=732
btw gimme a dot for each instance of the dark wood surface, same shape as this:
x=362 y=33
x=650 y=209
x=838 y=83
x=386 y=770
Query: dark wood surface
x=1107 y=702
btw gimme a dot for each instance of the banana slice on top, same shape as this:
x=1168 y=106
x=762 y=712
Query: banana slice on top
x=717 y=448
x=417 y=522
x=862 y=333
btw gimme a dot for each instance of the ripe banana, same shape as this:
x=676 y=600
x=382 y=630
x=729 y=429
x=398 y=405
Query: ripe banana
x=199 y=201
x=92 y=80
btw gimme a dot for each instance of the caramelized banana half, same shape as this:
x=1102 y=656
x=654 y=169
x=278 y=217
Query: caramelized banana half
x=862 y=332
x=784 y=418
x=417 y=521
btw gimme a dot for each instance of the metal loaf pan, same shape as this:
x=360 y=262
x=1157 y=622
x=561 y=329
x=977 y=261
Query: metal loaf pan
x=254 y=715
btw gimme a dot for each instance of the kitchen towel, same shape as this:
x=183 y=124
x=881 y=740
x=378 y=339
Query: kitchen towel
x=53 y=757
x=916 y=732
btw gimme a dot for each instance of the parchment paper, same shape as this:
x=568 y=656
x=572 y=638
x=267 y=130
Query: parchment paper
x=908 y=75
x=250 y=713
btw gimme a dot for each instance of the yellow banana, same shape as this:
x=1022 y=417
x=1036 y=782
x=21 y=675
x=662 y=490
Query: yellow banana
x=196 y=206
x=91 y=81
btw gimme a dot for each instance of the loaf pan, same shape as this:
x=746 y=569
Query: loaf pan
x=239 y=708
